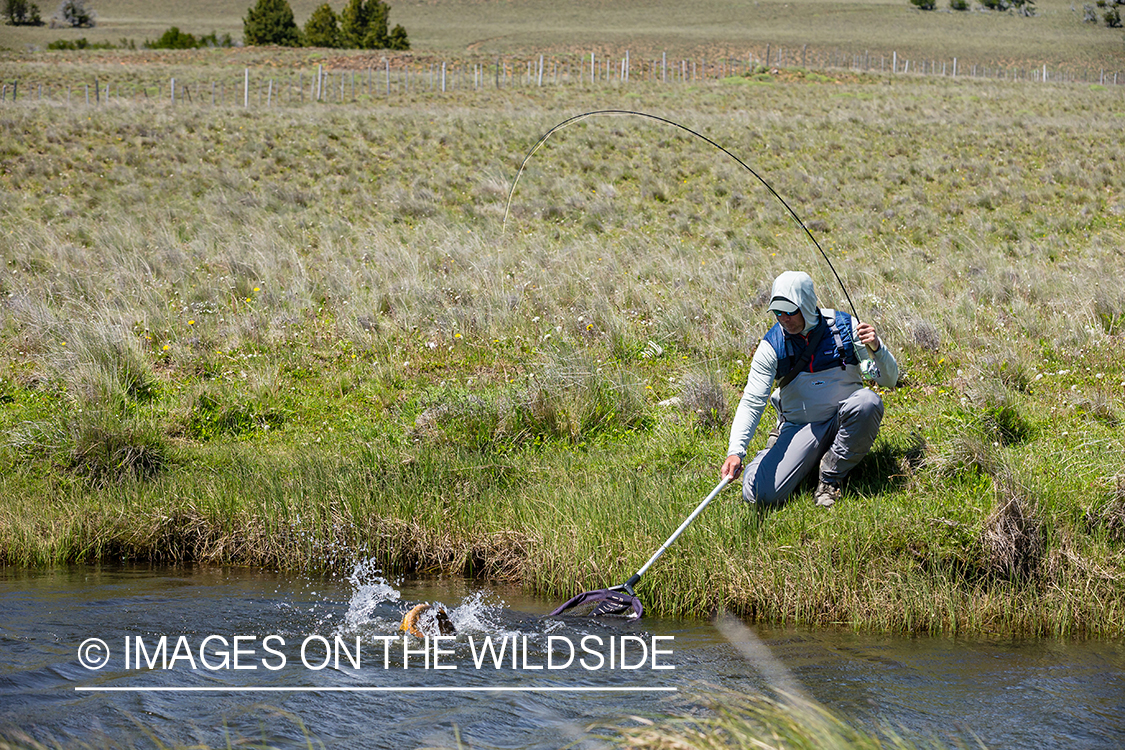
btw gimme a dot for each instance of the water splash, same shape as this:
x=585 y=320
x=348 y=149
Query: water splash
x=371 y=595
x=376 y=604
x=480 y=612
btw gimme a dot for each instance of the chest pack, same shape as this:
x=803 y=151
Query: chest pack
x=827 y=345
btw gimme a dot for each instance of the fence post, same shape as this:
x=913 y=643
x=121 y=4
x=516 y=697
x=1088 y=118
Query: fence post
x=540 y=79
x=954 y=67
x=173 y=92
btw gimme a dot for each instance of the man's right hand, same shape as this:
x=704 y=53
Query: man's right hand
x=732 y=467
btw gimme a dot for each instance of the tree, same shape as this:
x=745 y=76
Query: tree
x=22 y=13
x=271 y=22
x=398 y=39
x=323 y=28
x=74 y=13
x=364 y=24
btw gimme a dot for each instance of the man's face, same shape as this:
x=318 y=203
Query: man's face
x=793 y=324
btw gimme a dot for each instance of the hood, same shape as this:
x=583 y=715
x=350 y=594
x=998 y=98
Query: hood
x=797 y=287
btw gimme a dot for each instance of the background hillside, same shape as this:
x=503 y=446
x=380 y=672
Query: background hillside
x=1055 y=36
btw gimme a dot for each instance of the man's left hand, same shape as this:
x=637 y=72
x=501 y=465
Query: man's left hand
x=868 y=336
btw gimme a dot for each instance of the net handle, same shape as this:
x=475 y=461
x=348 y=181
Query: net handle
x=676 y=534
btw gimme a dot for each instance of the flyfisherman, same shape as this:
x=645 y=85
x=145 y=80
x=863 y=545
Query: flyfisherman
x=827 y=419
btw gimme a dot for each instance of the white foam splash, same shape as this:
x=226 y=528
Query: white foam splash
x=376 y=604
x=476 y=613
x=369 y=590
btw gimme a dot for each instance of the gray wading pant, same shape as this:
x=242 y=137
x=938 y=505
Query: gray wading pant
x=794 y=450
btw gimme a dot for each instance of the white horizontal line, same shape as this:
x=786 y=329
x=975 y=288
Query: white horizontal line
x=368 y=689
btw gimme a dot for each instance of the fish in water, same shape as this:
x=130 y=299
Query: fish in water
x=427 y=620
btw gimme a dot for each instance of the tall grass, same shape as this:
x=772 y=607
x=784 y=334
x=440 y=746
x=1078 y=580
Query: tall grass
x=299 y=336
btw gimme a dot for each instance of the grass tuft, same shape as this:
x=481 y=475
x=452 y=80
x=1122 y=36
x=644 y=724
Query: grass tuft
x=110 y=448
x=702 y=396
x=1110 y=517
x=1013 y=538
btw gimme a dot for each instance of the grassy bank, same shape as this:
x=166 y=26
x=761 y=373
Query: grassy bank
x=298 y=336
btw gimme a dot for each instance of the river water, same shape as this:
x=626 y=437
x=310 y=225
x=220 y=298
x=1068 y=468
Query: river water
x=261 y=655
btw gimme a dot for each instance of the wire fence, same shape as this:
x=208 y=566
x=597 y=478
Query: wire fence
x=404 y=75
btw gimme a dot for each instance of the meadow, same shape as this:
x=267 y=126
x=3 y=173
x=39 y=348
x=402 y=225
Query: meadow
x=297 y=335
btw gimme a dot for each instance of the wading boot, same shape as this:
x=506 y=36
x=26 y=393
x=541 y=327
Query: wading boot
x=827 y=494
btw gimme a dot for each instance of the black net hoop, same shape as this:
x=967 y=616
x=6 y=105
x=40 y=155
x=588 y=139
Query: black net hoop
x=602 y=603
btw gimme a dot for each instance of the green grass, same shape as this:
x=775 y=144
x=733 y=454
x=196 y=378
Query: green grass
x=297 y=336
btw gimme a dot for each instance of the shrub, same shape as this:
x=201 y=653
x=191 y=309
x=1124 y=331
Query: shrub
x=173 y=38
x=961 y=5
x=1022 y=7
x=22 y=13
x=214 y=40
x=74 y=13
x=323 y=28
x=924 y=4
x=271 y=22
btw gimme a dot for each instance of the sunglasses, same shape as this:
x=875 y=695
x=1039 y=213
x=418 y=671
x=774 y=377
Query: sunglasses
x=779 y=313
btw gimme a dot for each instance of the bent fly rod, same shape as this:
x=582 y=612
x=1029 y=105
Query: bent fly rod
x=630 y=113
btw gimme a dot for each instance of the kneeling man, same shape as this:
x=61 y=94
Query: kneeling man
x=814 y=361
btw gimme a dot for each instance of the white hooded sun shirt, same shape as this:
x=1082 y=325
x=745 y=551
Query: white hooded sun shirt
x=811 y=396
